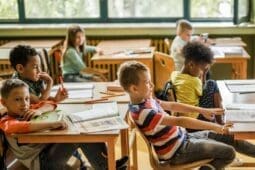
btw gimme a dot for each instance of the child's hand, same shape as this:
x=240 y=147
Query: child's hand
x=61 y=95
x=225 y=128
x=210 y=113
x=99 y=51
x=46 y=77
x=59 y=125
x=29 y=114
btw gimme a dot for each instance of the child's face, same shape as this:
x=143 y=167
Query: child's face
x=145 y=87
x=18 y=101
x=79 y=39
x=186 y=35
x=197 y=70
x=32 y=69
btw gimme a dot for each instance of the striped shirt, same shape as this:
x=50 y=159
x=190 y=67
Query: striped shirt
x=165 y=139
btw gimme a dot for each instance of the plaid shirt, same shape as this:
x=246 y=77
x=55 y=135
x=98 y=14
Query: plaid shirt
x=35 y=87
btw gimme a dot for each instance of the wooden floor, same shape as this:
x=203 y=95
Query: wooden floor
x=143 y=158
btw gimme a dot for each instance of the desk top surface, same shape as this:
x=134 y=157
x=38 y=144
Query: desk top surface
x=229 y=98
x=33 y=43
x=124 y=49
x=71 y=130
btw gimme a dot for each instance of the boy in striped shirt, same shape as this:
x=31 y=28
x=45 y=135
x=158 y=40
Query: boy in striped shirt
x=166 y=133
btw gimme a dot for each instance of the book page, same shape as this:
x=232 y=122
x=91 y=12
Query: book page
x=101 y=110
x=243 y=88
x=74 y=86
x=77 y=94
x=239 y=82
x=243 y=127
x=240 y=116
x=100 y=125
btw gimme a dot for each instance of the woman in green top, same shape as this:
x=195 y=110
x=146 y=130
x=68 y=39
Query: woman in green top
x=76 y=48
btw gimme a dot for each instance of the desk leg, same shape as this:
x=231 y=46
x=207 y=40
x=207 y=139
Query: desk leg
x=125 y=144
x=111 y=155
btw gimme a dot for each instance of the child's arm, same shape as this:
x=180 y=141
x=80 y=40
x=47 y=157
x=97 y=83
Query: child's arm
x=45 y=93
x=194 y=124
x=41 y=108
x=38 y=126
x=185 y=108
x=61 y=95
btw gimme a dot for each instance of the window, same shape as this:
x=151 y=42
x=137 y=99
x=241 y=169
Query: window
x=8 y=9
x=121 y=11
x=62 y=9
x=142 y=8
x=211 y=8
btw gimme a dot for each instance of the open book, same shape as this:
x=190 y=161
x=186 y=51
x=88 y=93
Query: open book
x=76 y=90
x=51 y=116
x=102 y=117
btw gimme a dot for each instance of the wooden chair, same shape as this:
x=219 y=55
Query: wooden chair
x=6 y=70
x=162 y=165
x=45 y=63
x=163 y=67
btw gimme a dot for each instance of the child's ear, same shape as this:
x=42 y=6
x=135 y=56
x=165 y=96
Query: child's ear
x=3 y=102
x=19 y=68
x=133 y=88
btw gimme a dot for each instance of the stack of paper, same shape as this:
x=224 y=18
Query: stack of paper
x=76 y=91
x=241 y=86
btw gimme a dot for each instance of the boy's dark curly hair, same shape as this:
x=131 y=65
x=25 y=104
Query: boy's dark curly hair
x=197 y=52
x=21 y=55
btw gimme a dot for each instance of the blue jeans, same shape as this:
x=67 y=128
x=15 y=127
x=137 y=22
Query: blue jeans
x=200 y=145
x=55 y=156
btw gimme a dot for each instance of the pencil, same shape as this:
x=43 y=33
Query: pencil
x=95 y=100
x=61 y=82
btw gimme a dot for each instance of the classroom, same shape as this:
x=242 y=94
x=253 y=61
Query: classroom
x=134 y=82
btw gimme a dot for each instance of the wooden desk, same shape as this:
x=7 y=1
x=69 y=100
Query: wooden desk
x=71 y=135
x=33 y=43
x=239 y=64
x=229 y=98
x=114 y=55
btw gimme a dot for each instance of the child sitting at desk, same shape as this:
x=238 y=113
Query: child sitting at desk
x=27 y=64
x=171 y=142
x=189 y=87
x=184 y=31
x=15 y=97
x=75 y=49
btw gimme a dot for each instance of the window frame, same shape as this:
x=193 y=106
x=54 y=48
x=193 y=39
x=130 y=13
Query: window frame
x=103 y=18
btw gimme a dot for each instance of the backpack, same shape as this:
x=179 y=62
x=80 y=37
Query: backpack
x=167 y=93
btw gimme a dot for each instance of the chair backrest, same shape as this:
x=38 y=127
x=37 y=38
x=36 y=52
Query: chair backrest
x=164 y=165
x=45 y=63
x=163 y=67
x=3 y=150
x=55 y=57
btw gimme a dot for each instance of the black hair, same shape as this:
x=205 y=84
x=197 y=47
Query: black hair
x=21 y=55
x=9 y=85
x=197 y=52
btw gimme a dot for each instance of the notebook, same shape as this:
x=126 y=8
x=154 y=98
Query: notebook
x=51 y=116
